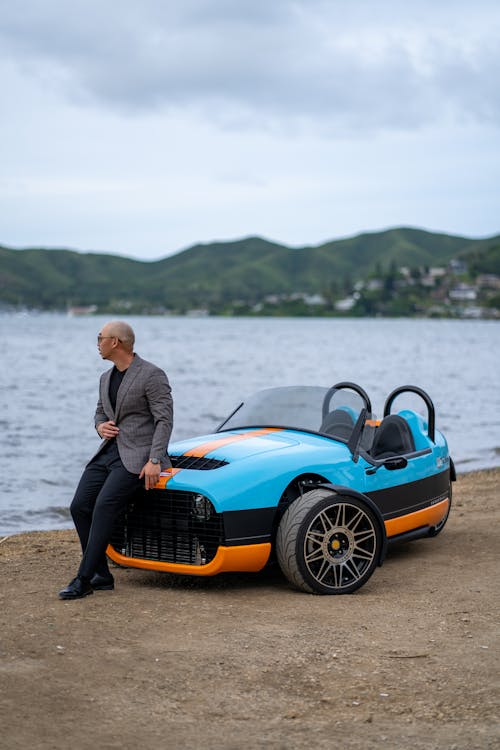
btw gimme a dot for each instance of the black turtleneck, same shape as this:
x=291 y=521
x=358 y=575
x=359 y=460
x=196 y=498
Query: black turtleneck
x=114 y=384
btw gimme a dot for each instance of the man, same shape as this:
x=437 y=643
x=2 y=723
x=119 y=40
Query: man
x=134 y=417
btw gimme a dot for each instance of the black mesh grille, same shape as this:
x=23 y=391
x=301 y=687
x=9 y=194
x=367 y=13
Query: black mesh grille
x=169 y=526
x=194 y=462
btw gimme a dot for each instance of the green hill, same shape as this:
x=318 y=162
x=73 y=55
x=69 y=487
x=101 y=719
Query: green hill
x=219 y=274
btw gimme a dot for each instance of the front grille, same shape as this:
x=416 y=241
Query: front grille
x=196 y=462
x=169 y=526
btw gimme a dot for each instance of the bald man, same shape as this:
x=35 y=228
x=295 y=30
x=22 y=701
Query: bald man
x=134 y=418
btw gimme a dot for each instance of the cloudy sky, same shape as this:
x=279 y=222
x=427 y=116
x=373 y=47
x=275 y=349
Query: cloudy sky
x=141 y=127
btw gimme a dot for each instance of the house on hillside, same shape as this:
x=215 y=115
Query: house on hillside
x=463 y=293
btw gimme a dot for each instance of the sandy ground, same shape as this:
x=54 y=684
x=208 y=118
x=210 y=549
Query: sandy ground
x=410 y=660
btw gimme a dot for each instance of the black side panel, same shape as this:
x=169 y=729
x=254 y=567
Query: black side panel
x=248 y=526
x=408 y=498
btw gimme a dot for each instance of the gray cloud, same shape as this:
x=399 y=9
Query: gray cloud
x=274 y=64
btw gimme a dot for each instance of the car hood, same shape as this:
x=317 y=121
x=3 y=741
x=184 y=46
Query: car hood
x=235 y=444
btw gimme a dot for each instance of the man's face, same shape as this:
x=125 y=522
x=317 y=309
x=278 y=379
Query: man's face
x=106 y=342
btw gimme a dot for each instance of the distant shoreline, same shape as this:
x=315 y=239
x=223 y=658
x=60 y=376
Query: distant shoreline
x=197 y=315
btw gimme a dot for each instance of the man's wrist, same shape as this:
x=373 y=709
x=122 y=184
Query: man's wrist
x=155 y=460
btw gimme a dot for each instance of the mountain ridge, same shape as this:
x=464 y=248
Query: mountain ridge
x=211 y=275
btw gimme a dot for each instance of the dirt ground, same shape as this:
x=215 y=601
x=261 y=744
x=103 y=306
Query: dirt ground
x=410 y=660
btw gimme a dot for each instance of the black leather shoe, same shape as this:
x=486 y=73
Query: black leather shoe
x=102 y=583
x=76 y=589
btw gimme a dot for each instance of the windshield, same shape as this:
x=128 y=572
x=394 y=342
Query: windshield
x=313 y=408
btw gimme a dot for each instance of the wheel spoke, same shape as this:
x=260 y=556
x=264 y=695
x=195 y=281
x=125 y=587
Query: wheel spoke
x=363 y=536
x=356 y=520
x=353 y=570
x=363 y=554
x=315 y=536
x=325 y=567
x=326 y=522
x=337 y=576
x=315 y=555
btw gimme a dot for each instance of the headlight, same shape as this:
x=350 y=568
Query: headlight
x=202 y=508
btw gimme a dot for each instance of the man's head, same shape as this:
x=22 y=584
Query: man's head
x=115 y=340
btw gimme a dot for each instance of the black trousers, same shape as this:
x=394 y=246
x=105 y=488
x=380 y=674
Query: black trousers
x=102 y=493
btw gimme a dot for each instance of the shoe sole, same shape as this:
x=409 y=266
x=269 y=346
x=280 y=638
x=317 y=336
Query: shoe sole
x=79 y=596
x=103 y=588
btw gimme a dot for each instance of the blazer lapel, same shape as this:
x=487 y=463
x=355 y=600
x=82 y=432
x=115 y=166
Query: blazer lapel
x=106 y=403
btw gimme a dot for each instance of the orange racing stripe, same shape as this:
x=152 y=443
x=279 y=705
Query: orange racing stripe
x=201 y=450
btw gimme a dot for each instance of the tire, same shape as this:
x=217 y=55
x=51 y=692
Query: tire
x=328 y=543
x=437 y=529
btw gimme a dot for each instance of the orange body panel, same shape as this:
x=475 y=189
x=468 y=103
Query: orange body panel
x=426 y=517
x=165 y=476
x=249 y=557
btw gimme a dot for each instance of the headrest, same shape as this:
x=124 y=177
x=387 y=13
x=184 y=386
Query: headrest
x=392 y=438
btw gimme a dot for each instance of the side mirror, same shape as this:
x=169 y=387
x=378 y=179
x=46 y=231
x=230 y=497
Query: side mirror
x=391 y=464
x=395 y=463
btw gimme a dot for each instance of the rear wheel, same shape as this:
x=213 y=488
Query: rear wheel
x=328 y=543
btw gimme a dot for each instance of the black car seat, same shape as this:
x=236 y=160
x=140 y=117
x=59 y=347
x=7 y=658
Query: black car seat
x=392 y=438
x=338 y=423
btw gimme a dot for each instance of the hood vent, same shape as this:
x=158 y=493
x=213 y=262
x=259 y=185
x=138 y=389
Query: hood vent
x=196 y=462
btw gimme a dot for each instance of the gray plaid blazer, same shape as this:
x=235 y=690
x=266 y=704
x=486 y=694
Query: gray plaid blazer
x=144 y=414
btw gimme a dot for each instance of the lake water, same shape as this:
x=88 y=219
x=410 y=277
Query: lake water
x=50 y=370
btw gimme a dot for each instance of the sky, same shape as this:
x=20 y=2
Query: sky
x=143 y=127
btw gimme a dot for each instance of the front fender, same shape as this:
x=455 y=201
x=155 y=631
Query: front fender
x=453 y=473
x=349 y=492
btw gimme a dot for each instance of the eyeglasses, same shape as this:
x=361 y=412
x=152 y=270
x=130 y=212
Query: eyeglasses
x=100 y=338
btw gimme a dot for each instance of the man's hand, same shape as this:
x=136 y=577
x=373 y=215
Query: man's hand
x=107 y=430
x=151 y=473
